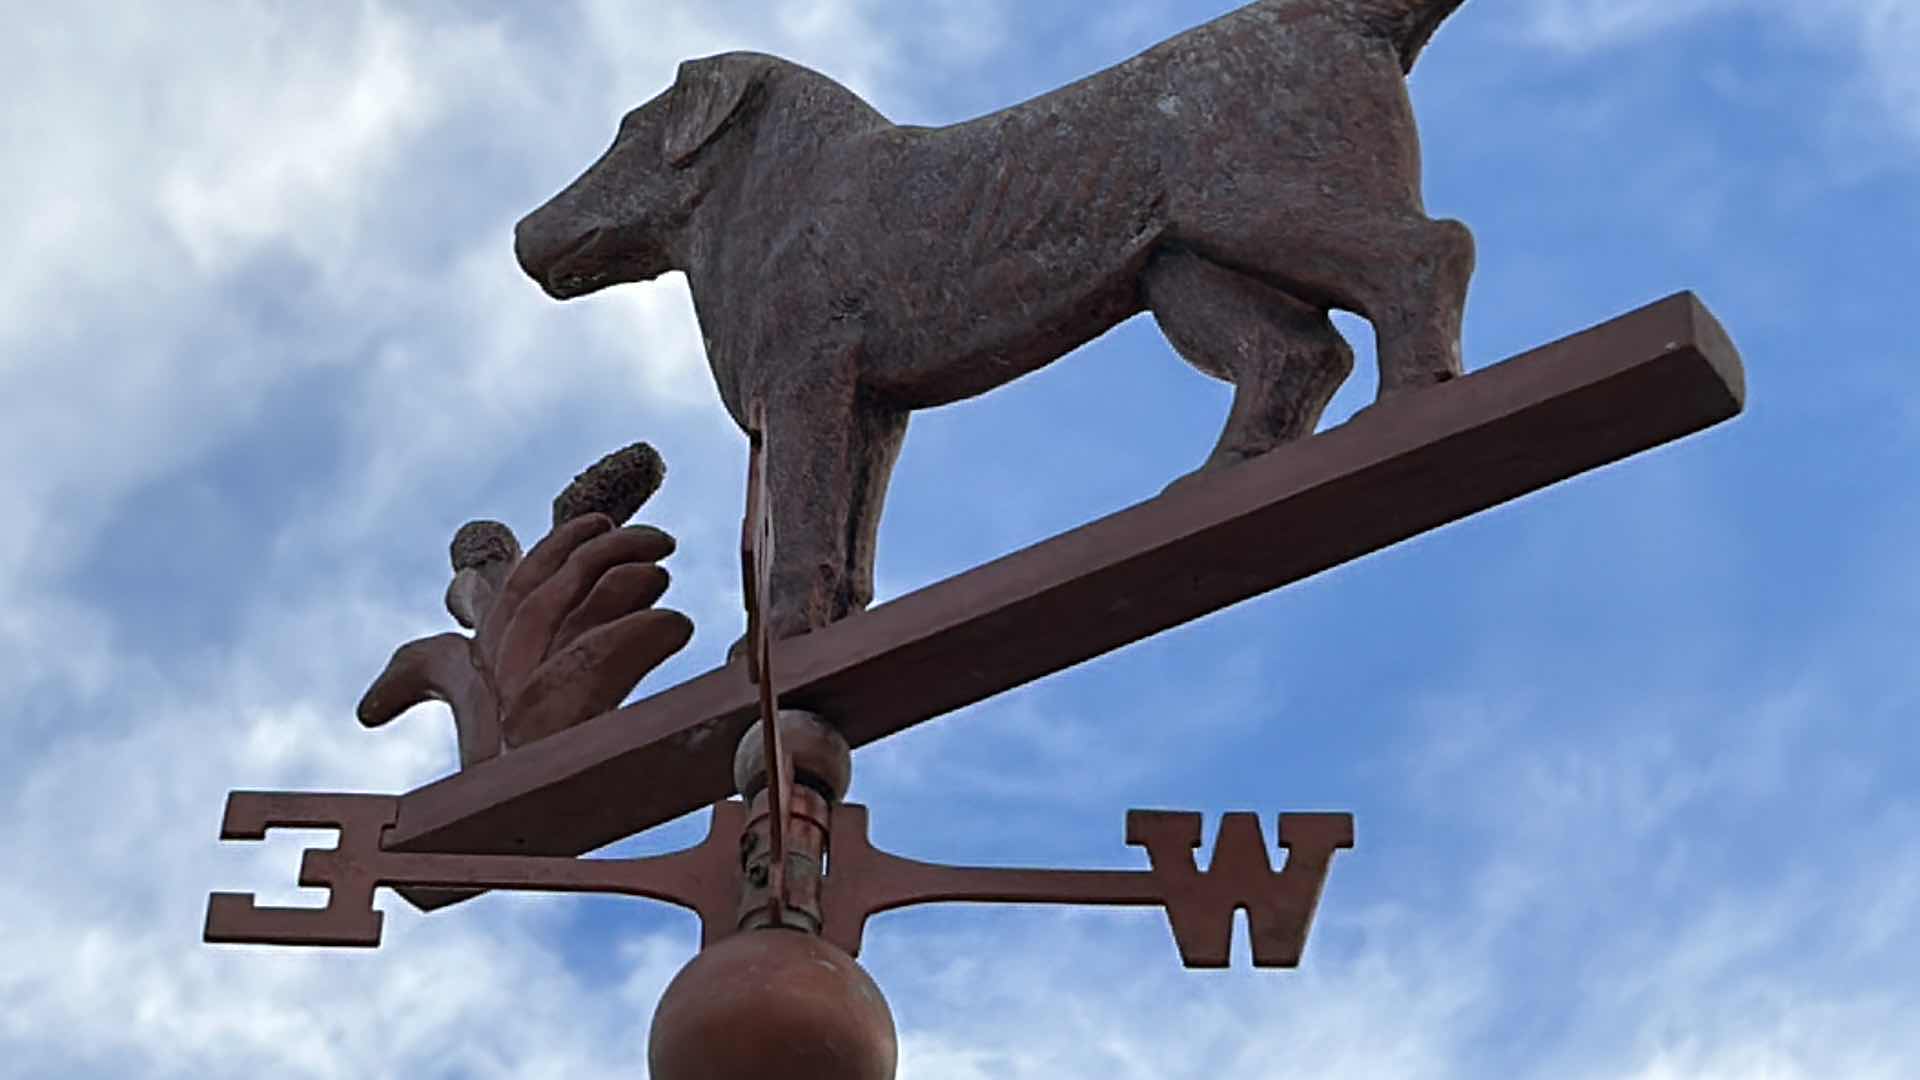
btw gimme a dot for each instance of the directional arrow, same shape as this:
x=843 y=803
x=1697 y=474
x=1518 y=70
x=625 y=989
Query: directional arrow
x=862 y=880
x=866 y=881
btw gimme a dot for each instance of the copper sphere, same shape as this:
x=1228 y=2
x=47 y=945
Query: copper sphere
x=817 y=748
x=772 y=1003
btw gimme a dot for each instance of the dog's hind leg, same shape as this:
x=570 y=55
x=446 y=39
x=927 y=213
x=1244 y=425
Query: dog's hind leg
x=1283 y=356
x=1416 y=312
x=1404 y=272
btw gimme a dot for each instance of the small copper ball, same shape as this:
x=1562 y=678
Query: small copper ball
x=819 y=752
x=772 y=1003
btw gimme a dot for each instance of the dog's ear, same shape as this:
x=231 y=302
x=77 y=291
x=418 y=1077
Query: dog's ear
x=706 y=96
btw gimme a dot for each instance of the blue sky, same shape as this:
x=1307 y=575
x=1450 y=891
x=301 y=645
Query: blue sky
x=1631 y=759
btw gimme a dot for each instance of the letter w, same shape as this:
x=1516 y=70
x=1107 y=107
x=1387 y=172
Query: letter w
x=1279 y=906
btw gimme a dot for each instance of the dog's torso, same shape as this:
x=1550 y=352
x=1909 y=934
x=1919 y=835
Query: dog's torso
x=955 y=259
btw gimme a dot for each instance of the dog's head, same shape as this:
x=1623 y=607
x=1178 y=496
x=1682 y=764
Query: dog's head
x=621 y=220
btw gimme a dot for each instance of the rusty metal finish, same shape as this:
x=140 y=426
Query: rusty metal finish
x=1238 y=181
x=595 y=635
x=348 y=870
x=817 y=767
x=704 y=879
x=863 y=881
x=1395 y=471
x=821 y=757
x=756 y=556
x=1280 y=906
x=598 y=636
x=772 y=1003
x=562 y=633
x=809 y=817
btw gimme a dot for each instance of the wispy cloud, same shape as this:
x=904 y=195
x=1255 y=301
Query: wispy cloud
x=1888 y=32
x=1584 y=25
x=1882 y=35
x=1564 y=920
x=225 y=210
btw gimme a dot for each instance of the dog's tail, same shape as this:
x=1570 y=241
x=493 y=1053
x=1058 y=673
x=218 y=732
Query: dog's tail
x=1406 y=24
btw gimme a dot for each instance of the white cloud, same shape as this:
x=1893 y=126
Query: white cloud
x=1104 y=996
x=190 y=165
x=1584 y=25
x=159 y=173
x=1569 y=925
x=113 y=849
x=291 y=161
x=1884 y=36
x=1889 y=34
x=1019 y=745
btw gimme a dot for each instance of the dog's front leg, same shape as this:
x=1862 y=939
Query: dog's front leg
x=830 y=450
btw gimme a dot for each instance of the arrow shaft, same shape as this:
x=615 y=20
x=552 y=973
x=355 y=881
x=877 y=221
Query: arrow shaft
x=704 y=879
x=862 y=880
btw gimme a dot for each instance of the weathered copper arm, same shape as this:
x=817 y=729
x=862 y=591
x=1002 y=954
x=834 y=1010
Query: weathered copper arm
x=705 y=879
x=864 y=881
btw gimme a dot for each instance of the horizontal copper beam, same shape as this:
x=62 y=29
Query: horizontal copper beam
x=1396 y=470
x=704 y=878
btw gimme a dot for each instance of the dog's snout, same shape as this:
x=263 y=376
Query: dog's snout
x=529 y=250
x=542 y=243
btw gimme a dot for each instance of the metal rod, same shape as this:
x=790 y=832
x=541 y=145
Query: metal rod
x=757 y=558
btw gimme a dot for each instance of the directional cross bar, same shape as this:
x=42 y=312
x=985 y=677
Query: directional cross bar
x=862 y=880
x=1413 y=463
x=865 y=881
x=347 y=871
x=704 y=879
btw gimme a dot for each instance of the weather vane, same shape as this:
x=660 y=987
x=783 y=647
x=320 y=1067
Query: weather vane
x=1238 y=181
